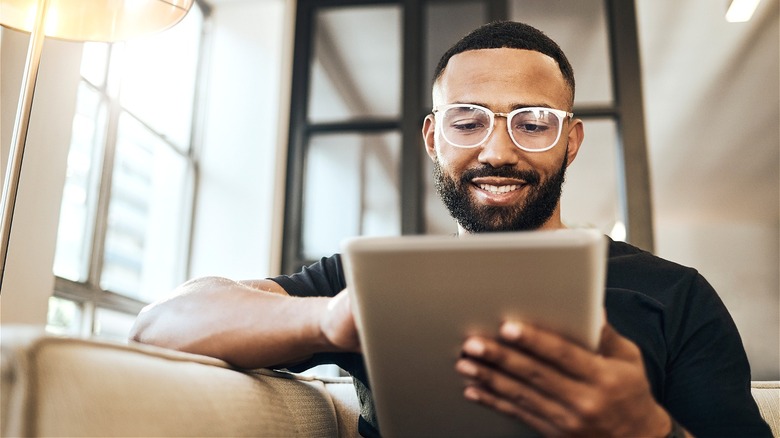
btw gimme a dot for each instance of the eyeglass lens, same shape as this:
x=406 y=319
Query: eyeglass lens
x=469 y=126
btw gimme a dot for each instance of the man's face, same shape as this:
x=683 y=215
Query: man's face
x=497 y=186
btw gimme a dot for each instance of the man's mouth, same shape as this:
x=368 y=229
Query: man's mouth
x=496 y=190
x=500 y=187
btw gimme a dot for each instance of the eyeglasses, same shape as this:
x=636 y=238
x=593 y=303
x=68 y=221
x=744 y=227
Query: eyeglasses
x=535 y=129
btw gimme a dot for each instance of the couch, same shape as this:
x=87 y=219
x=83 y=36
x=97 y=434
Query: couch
x=57 y=386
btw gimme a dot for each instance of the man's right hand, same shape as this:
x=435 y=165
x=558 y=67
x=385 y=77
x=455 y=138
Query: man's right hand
x=338 y=324
x=249 y=324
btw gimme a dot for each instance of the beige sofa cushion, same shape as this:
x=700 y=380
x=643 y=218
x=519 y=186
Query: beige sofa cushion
x=767 y=395
x=69 y=387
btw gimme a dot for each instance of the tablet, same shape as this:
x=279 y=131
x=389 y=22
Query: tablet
x=416 y=298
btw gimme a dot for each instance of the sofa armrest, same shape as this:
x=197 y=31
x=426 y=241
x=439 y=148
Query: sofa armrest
x=767 y=396
x=53 y=386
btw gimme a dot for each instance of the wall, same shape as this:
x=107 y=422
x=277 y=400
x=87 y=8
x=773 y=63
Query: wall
x=28 y=278
x=711 y=96
x=244 y=138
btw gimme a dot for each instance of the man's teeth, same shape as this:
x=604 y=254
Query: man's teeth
x=498 y=189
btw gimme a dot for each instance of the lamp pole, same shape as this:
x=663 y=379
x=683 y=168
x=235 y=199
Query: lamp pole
x=16 y=153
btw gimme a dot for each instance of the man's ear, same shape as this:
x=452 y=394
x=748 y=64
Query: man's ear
x=429 y=133
x=576 y=134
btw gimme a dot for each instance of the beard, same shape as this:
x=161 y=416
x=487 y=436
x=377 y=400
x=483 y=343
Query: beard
x=536 y=209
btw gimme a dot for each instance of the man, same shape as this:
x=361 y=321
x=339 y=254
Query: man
x=501 y=136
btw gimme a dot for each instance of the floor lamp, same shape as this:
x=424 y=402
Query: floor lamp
x=74 y=20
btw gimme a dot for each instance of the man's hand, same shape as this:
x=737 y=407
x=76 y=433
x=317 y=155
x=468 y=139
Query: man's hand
x=560 y=388
x=338 y=324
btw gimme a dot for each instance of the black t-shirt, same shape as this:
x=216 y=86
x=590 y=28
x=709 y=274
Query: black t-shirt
x=693 y=354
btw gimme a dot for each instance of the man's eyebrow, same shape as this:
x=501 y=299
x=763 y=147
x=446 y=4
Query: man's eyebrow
x=513 y=107
x=469 y=102
x=531 y=105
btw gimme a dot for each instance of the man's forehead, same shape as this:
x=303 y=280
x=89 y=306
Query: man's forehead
x=510 y=55
x=518 y=73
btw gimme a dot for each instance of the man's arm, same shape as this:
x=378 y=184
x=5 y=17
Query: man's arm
x=249 y=324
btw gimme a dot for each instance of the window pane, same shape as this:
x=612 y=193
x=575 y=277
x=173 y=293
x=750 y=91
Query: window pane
x=351 y=188
x=356 y=69
x=446 y=23
x=148 y=217
x=580 y=28
x=158 y=78
x=593 y=195
x=94 y=62
x=64 y=317
x=79 y=196
x=112 y=325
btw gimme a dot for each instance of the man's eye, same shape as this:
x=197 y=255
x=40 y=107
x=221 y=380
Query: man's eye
x=467 y=126
x=532 y=128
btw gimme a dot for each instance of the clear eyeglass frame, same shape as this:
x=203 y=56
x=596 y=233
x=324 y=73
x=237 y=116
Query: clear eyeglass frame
x=561 y=115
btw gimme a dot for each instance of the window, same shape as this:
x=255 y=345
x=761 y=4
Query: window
x=361 y=88
x=126 y=214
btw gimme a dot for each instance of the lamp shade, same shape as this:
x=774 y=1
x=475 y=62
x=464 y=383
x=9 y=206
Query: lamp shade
x=94 y=20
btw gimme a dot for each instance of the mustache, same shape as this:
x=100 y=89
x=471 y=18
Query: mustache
x=531 y=177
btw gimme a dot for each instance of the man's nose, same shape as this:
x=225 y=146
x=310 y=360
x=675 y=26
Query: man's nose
x=499 y=150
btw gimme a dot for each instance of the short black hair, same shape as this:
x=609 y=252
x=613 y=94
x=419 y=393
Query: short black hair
x=512 y=35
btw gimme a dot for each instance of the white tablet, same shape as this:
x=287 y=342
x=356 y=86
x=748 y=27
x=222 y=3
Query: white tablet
x=416 y=298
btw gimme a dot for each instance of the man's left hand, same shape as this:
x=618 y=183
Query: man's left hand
x=560 y=388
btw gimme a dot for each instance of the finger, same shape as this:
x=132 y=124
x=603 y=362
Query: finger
x=484 y=397
x=508 y=387
x=551 y=347
x=503 y=369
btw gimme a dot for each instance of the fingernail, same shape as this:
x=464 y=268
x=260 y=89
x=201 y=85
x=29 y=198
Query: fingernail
x=471 y=393
x=466 y=368
x=511 y=330
x=474 y=347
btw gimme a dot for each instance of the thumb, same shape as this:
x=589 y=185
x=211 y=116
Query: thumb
x=613 y=344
